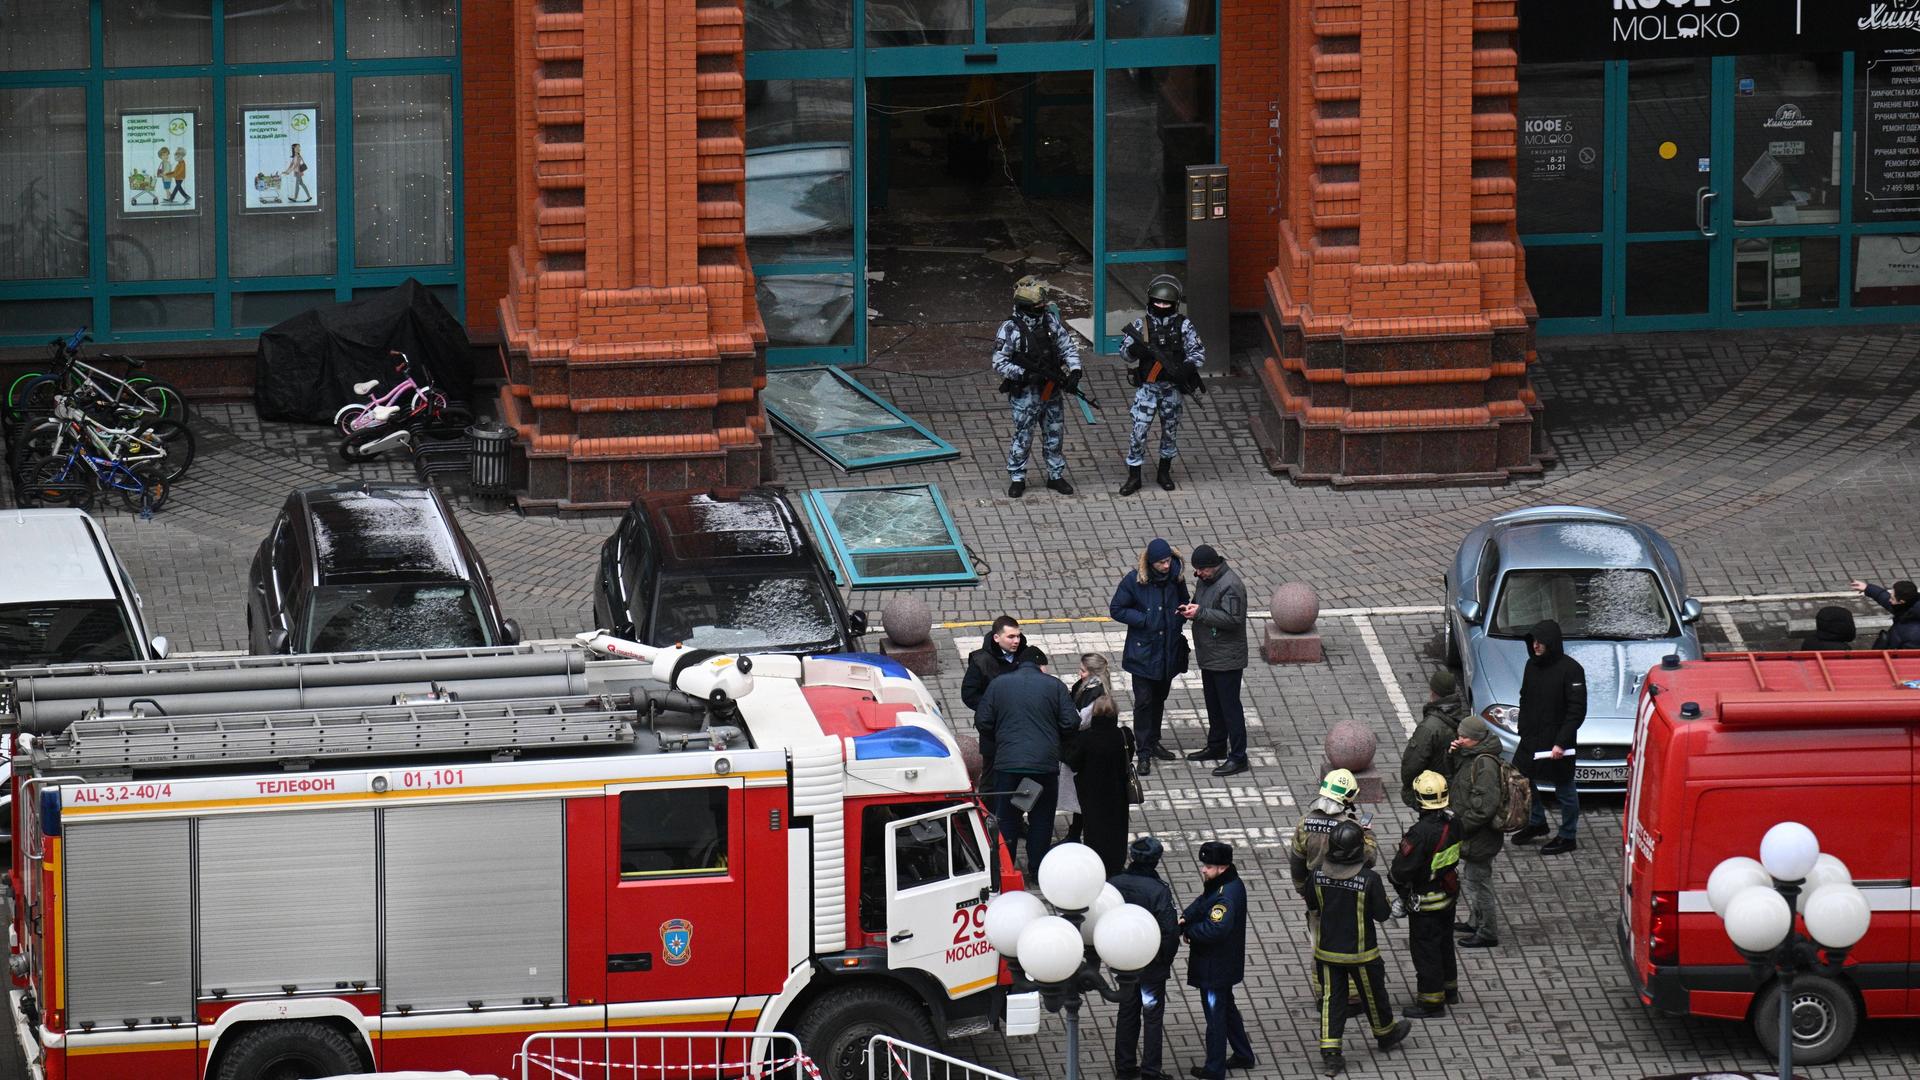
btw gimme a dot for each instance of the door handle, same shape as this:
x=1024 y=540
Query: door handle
x=1701 y=200
x=901 y=936
x=634 y=961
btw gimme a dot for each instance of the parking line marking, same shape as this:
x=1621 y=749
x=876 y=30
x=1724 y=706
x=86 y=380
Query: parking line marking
x=1384 y=670
x=1725 y=621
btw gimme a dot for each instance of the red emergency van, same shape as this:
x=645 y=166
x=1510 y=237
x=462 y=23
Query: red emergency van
x=1724 y=749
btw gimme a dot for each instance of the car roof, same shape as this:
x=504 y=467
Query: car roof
x=698 y=527
x=363 y=532
x=53 y=554
x=1597 y=542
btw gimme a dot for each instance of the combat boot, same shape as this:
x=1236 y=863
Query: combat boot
x=1060 y=484
x=1016 y=489
x=1165 y=475
x=1133 y=480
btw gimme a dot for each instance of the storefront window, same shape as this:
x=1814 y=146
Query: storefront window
x=1127 y=297
x=280 y=145
x=1039 y=20
x=43 y=154
x=403 y=170
x=157 y=33
x=1886 y=122
x=1159 y=18
x=43 y=35
x=400 y=29
x=1159 y=121
x=1886 y=270
x=1667 y=278
x=278 y=31
x=919 y=22
x=1786 y=273
x=800 y=170
x=1786 y=140
x=159 y=142
x=1565 y=280
x=1562 y=165
x=1669 y=135
x=806 y=309
x=799 y=24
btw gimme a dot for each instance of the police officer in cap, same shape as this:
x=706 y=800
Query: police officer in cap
x=1167 y=357
x=1039 y=365
x=1349 y=898
x=1215 y=926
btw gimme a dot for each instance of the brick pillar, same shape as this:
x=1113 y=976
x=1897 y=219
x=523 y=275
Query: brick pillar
x=635 y=352
x=1250 y=82
x=1399 y=327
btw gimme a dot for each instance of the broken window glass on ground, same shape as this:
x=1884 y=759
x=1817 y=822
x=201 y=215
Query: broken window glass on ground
x=891 y=537
x=840 y=419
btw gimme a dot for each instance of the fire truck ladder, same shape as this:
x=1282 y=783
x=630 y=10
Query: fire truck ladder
x=297 y=736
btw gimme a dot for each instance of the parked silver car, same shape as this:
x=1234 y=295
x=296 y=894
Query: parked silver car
x=1618 y=592
x=65 y=598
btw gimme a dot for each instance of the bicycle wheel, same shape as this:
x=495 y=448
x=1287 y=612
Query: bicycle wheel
x=36 y=397
x=177 y=440
x=32 y=441
x=157 y=394
x=16 y=396
x=143 y=488
x=347 y=417
x=62 y=482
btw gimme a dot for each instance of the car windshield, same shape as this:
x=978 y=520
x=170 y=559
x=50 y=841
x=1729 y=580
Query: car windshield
x=67 y=632
x=731 y=612
x=363 y=618
x=1605 y=604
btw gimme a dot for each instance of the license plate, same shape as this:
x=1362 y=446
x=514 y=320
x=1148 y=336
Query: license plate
x=1595 y=774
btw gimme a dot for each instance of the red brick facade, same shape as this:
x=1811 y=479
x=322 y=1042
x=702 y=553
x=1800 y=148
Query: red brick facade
x=1250 y=85
x=487 y=129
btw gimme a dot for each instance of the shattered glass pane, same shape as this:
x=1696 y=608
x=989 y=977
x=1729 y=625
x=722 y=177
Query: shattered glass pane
x=731 y=612
x=887 y=518
x=919 y=22
x=798 y=190
x=814 y=399
x=799 y=24
x=806 y=309
x=364 y=618
x=909 y=565
x=871 y=445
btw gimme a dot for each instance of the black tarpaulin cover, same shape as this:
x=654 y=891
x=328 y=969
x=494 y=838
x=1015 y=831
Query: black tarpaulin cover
x=308 y=364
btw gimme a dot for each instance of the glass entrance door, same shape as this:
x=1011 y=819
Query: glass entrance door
x=1672 y=229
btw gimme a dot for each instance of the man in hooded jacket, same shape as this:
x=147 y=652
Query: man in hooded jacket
x=1430 y=745
x=1146 y=999
x=1833 y=631
x=1903 y=603
x=1553 y=705
x=1148 y=601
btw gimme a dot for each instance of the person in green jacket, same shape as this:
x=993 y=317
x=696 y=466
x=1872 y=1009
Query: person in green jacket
x=1474 y=797
x=1430 y=745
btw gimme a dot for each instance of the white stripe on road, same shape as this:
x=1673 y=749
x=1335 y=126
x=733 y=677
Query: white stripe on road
x=1732 y=629
x=1384 y=670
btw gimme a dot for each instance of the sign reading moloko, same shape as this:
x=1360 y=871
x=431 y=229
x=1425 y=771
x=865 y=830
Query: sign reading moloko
x=1553 y=31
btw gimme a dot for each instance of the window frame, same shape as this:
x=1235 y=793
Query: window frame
x=725 y=833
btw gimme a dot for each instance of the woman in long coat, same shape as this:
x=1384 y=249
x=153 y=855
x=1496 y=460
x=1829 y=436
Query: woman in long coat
x=1099 y=763
x=1090 y=687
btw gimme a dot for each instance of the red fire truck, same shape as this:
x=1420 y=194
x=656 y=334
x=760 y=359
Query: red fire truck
x=1726 y=748
x=321 y=865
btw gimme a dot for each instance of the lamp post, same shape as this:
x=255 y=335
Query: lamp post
x=1060 y=953
x=1757 y=901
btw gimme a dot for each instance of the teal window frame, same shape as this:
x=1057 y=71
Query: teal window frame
x=942 y=450
x=1097 y=55
x=842 y=556
x=346 y=278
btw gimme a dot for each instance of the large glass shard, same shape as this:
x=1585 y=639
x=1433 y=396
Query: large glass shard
x=844 y=421
x=890 y=537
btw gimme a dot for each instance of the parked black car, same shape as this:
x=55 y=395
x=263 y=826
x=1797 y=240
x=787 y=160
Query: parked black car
x=359 y=567
x=730 y=570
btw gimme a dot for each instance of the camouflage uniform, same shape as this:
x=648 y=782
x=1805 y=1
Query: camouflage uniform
x=1161 y=397
x=1025 y=398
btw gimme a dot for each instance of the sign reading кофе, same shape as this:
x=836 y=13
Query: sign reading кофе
x=1553 y=31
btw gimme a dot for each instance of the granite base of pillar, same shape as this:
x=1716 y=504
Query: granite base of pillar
x=1281 y=647
x=921 y=659
x=1373 y=788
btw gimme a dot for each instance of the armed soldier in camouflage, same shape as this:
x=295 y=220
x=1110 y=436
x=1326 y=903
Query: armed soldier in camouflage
x=1039 y=365
x=1167 y=357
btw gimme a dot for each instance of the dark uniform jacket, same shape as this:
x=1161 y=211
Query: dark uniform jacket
x=988 y=663
x=1216 y=930
x=1553 y=705
x=1138 y=885
x=1474 y=795
x=1348 y=909
x=1426 y=869
x=1430 y=745
x=1022 y=718
x=1905 y=631
x=1309 y=851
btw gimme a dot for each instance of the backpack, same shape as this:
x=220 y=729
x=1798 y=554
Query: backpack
x=1516 y=799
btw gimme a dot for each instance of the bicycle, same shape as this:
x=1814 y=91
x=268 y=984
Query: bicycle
x=77 y=479
x=379 y=424
x=34 y=391
x=168 y=442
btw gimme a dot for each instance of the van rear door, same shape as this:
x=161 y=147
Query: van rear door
x=1641 y=833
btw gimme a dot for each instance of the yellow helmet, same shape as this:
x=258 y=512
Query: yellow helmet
x=1029 y=292
x=1340 y=785
x=1430 y=790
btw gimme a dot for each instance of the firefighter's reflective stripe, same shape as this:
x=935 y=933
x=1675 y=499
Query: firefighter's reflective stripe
x=1445 y=857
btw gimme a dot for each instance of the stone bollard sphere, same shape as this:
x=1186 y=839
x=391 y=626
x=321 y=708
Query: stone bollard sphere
x=908 y=620
x=1295 y=606
x=1350 y=745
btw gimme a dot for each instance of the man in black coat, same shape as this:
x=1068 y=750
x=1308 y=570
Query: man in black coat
x=1021 y=719
x=1833 y=631
x=1903 y=603
x=1553 y=705
x=1146 y=1000
x=1215 y=926
x=1005 y=646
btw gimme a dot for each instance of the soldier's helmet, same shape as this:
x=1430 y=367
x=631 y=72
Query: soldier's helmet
x=1029 y=293
x=1164 y=291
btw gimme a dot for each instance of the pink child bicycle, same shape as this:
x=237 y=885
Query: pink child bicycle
x=385 y=409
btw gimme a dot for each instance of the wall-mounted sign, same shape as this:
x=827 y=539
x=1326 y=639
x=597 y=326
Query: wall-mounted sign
x=1568 y=30
x=1890 y=136
x=282 y=170
x=158 y=170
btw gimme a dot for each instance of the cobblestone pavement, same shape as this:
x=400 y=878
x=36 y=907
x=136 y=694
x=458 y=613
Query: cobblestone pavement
x=1777 y=463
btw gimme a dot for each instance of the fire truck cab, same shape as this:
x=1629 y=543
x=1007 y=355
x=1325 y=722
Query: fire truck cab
x=1729 y=746
x=413 y=862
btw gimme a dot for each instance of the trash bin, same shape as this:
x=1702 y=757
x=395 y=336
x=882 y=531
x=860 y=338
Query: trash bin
x=490 y=445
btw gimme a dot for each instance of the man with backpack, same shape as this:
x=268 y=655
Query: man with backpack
x=1481 y=803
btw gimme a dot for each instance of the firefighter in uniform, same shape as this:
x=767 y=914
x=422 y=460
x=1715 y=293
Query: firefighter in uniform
x=1349 y=898
x=1167 y=357
x=1426 y=874
x=1215 y=926
x=1335 y=804
x=1039 y=365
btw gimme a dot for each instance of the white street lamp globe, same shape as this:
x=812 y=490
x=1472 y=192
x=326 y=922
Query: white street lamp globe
x=1107 y=901
x=1071 y=876
x=1838 y=914
x=1050 y=949
x=1757 y=919
x=1730 y=879
x=1007 y=915
x=1128 y=937
x=1789 y=850
x=1827 y=870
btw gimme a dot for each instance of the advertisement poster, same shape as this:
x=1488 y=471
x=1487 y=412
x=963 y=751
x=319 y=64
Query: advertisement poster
x=161 y=174
x=282 y=159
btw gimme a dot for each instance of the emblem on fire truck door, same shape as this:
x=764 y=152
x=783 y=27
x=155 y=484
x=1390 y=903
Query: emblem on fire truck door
x=676 y=941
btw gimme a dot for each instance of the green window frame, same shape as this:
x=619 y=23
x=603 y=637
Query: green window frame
x=217 y=196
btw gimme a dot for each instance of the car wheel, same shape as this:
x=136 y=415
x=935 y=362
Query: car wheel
x=1824 y=1018
x=1449 y=645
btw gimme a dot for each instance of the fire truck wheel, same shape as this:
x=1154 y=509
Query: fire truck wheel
x=1824 y=1017
x=834 y=1030
x=289 y=1050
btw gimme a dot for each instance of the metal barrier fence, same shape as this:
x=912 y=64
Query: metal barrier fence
x=664 y=1055
x=891 y=1059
